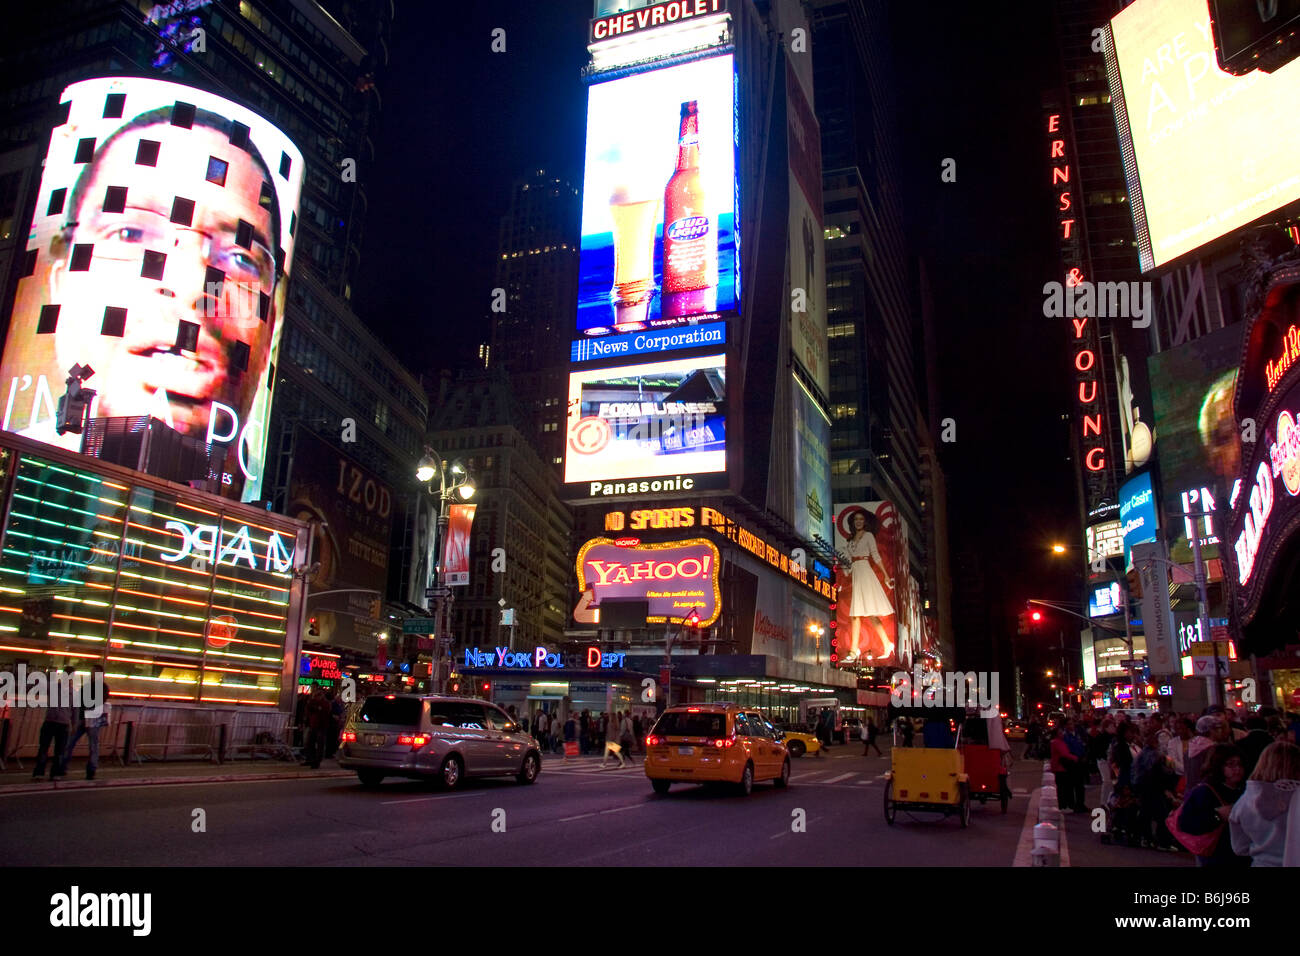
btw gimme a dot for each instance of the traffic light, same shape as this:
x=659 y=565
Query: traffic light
x=487 y=688
x=1022 y=622
x=455 y=687
x=1035 y=616
x=313 y=627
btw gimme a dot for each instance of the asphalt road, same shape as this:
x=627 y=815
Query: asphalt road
x=574 y=815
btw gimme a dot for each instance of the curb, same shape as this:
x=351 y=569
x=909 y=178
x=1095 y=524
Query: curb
x=47 y=785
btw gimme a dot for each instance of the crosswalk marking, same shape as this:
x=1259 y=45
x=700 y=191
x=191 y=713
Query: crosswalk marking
x=843 y=776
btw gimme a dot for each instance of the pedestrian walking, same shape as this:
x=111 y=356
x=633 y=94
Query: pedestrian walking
x=59 y=712
x=1263 y=824
x=584 y=731
x=1154 y=781
x=543 y=728
x=335 y=722
x=318 y=718
x=89 y=727
x=611 y=744
x=1069 y=789
x=570 y=735
x=872 y=732
x=626 y=734
x=638 y=732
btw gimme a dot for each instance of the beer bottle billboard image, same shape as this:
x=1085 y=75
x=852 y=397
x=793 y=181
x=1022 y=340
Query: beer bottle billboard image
x=658 y=241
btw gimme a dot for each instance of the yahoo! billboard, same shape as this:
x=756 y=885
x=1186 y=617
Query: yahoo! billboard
x=675 y=578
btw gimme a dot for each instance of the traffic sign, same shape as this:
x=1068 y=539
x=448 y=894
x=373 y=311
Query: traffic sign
x=1132 y=662
x=419 y=625
x=431 y=593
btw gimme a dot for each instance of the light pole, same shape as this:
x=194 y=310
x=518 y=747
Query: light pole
x=452 y=479
x=816 y=630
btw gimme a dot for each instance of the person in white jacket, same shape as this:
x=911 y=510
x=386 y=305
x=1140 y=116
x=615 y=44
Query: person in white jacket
x=1263 y=824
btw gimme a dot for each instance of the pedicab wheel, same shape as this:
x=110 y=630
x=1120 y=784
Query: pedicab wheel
x=890 y=812
x=661 y=786
x=964 y=797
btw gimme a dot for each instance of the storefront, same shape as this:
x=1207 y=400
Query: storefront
x=1263 y=528
x=186 y=599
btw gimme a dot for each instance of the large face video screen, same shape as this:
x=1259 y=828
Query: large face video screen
x=644 y=421
x=159 y=254
x=1213 y=151
x=659 y=199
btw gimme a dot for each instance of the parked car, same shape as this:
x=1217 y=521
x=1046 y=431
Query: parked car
x=447 y=739
x=715 y=743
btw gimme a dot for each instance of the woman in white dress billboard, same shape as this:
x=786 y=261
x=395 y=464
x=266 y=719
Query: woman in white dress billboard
x=872 y=601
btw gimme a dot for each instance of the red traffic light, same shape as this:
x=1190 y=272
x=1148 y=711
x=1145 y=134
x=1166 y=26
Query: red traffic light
x=1036 y=615
x=313 y=627
x=487 y=686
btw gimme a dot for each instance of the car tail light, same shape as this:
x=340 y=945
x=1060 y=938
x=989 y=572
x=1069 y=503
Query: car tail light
x=653 y=741
x=414 y=741
x=724 y=743
x=349 y=736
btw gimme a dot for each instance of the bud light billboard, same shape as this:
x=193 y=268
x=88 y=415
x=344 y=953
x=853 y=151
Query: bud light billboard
x=159 y=253
x=659 y=244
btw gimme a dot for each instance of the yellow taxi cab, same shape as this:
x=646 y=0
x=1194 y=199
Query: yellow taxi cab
x=715 y=743
x=799 y=740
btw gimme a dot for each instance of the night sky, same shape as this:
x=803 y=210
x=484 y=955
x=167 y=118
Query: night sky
x=460 y=123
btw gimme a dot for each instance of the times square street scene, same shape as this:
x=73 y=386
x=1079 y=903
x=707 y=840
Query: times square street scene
x=651 y=433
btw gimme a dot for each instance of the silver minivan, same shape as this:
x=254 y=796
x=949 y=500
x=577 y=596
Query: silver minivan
x=442 y=738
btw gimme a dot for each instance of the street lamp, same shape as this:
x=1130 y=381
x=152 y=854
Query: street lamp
x=816 y=630
x=453 y=479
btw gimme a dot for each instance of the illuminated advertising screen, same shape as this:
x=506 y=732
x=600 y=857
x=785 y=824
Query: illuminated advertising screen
x=676 y=578
x=1105 y=600
x=158 y=256
x=1137 y=513
x=812 y=475
x=874 y=573
x=647 y=421
x=1210 y=151
x=178 y=601
x=1192 y=388
x=806 y=296
x=1105 y=539
x=658 y=243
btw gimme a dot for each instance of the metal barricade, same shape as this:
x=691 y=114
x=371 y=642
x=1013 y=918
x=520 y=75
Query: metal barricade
x=175 y=740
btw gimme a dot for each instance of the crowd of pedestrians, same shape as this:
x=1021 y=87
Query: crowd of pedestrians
x=615 y=736
x=1222 y=787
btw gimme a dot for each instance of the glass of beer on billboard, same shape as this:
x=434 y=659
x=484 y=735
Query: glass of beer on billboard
x=634 y=218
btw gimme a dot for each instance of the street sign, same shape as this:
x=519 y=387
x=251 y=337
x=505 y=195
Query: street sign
x=1219 y=633
x=431 y=593
x=419 y=625
x=1132 y=662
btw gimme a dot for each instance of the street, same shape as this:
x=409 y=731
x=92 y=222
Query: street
x=574 y=815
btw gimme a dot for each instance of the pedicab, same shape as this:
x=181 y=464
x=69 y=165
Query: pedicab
x=930 y=778
x=984 y=746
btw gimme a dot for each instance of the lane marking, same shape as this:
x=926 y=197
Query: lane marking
x=447 y=796
x=843 y=776
x=633 y=806
x=580 y=816
x=1025 y=846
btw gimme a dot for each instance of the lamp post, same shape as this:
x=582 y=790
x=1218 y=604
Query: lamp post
x=816 y=630
x=452 y=479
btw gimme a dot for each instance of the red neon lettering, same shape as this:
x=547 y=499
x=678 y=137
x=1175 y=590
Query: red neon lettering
x=1079 y=325
x=1066 y=224
x=1060 y=174
x=1054 y=122
x=1090 y=398
x=1092 y=423
x=1065 y=201
x=1058 y=148
x=593 y=657
x=1088 y=459
x=1092 y=359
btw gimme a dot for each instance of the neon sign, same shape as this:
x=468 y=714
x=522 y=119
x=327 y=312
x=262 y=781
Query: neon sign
x=675 y=578
x=235 y=548
x=540 y=658
x=1275 y=368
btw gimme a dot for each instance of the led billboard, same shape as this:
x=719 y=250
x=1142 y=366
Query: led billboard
x=1205 y=151
x=812 y=475
x=658 y=243
x=1137 y=514
x=1192 y=388
x=647 y=421
x=159 y=255
x=676 y=578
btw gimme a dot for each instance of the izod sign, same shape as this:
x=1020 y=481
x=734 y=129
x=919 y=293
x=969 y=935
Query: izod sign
x=655 y=15
x=675 y=578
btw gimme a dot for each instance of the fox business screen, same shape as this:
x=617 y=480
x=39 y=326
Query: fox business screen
x=659 y=244
x=646 y=421
x=1213 y=151
x=159 y=254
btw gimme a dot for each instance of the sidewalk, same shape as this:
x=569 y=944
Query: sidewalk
x=159 y=773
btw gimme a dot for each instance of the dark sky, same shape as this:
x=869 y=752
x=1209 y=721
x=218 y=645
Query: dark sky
x=460 y=123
